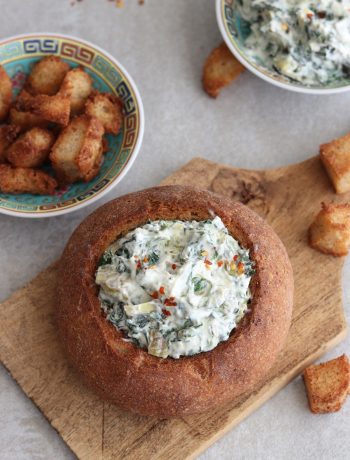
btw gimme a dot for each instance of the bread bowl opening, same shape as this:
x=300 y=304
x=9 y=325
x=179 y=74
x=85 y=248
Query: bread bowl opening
x=175 y=288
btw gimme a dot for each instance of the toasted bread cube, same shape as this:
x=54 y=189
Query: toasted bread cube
x=108 y=109
x=330 y=231
x=26 y=180
x=47 y=76
x=335 y=157
x=8 y=134
x=25 y=120
x=76 y=154
x=220 y=69
x=77 y=86
x=328 y=384
x=55 y=109
x=31 y=149
x=5 y=93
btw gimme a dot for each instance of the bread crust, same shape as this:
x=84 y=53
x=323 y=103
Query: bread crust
x=128 y=376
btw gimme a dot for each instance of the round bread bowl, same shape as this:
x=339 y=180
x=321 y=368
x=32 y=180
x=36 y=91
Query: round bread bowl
x=127 y=375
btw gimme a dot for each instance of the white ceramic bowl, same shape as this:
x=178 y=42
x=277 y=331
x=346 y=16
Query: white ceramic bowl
x=232 y=31
x=17 y=55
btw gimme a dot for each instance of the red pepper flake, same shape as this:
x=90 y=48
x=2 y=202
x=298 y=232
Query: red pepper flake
x=145 y=259
x=166 y=312
x=169 y=302
x=310 y=15
x=235 y=257
x=207 y=262
x=139 y=265
x=321 y=14
x=172 y=299
x=220 y=263
x=155 y=295
x=173 y=266
x=240 y=267
x=162 y=290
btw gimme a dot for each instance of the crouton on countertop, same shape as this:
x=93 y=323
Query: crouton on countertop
x=328 y=384
x=220 y=69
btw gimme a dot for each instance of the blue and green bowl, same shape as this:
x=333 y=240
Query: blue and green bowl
x=17 y=55
x=235 y=30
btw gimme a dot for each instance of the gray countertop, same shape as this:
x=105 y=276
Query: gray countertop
x=253 y=125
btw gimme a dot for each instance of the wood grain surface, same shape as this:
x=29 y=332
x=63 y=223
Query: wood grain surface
x=29 y=348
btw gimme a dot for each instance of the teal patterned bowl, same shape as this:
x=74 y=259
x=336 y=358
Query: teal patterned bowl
x=235 y=31
x=17 y=55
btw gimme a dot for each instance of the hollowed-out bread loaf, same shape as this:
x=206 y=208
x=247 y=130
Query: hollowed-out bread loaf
x=127 y=375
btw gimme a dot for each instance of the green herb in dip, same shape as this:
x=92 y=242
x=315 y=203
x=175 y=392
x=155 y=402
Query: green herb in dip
x=175 y=288
x=307 y=41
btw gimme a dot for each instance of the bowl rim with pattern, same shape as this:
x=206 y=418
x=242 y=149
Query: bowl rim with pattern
x=127 y=375
x=227 y=26
x=81 y=52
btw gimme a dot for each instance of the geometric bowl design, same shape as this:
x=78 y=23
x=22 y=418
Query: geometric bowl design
x=17 y=55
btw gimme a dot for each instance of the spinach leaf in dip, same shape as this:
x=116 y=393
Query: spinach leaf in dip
x=175 y=288
x=307 y=41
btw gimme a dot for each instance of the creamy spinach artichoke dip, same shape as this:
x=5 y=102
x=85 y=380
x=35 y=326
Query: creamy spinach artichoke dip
x=307 y=41
x=175 y=288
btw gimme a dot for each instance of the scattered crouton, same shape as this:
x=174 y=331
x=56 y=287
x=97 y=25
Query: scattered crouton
x=55 y=109
x=108 y=109
x=330 y=231
x=335 y=157
x=328 y=385
x=47 y=76
x=77 y=86
x=26 y=180
x=31 y=149
x=8 y=134
x=5 y=93
x=220 y=69
x=77 y=151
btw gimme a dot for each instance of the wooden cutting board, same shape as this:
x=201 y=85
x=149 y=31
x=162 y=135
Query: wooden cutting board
x=288 y=198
